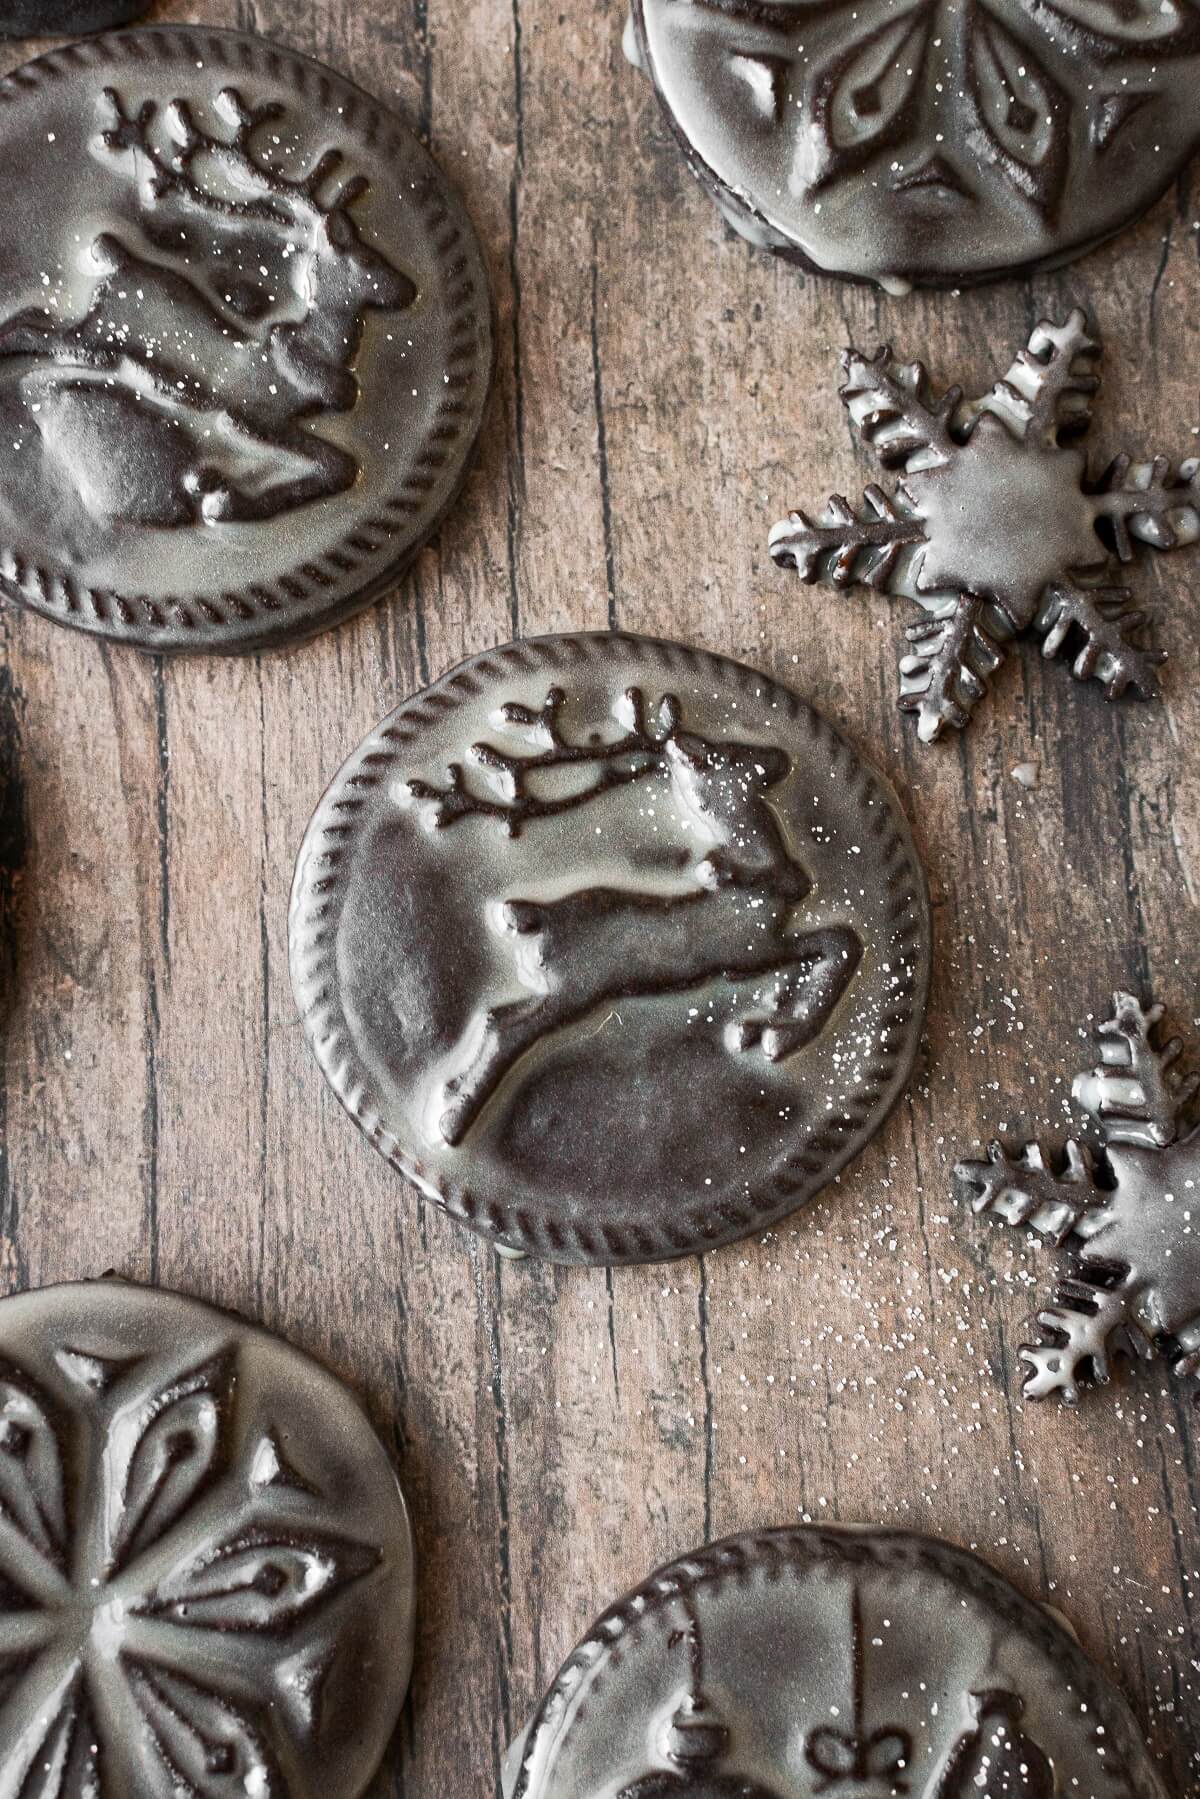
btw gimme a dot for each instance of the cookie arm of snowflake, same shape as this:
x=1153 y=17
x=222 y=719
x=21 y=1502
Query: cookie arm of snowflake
x=846 y=548
x=945 y=674
x=896 y=415
x=1155 y=502
x=1085 y=1327
x=1097 y=620
x=1024 y=1190
x=1047 y=393
x=1136 y=1095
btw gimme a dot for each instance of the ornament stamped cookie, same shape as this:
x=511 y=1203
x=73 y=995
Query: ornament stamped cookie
x=789 y=1664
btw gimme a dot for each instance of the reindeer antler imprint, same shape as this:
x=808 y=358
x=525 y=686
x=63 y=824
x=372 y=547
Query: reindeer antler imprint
x=226 y=353
x=638 y=752
x=614 y=890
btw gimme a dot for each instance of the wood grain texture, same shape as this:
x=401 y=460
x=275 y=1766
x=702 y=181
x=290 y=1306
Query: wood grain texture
x=664 y=393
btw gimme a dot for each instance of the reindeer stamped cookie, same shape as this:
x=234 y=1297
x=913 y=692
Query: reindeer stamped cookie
x=852 y=1664
x=245 y=341
x=614 y=948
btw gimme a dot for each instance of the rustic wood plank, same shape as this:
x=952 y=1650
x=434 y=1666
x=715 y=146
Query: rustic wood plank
x=663 y=393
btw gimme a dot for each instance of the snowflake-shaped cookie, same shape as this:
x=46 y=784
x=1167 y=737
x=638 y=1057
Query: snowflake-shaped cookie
x=1125 y=1220
x=205 y=1569
x=996 y=526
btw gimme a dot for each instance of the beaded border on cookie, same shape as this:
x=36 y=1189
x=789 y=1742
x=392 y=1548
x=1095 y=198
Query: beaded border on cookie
x=223 y=618
x=315 y=914
x=780 y=1552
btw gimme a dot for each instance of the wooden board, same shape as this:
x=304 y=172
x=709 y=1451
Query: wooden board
x=663 y=394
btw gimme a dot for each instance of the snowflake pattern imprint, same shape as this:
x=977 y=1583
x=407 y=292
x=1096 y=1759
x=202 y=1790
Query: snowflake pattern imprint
x=996 y=526
x=177 y=1597
x=1124 y=1218
x=926 y=141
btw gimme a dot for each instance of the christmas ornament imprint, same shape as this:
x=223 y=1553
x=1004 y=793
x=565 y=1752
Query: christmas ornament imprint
x=1124 y=1219
x=206 y=1570
x=933 y=142
x=614 y=948
x=34 y=18
x=859 y=1664
x=996 y=526
x=245 y=341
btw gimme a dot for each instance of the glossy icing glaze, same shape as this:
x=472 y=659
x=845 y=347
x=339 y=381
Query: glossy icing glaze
x=931 y=142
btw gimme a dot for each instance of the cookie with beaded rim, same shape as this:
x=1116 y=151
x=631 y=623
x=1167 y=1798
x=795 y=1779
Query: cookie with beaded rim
x=245 y=341
x=785 y=1664
x=616 y=949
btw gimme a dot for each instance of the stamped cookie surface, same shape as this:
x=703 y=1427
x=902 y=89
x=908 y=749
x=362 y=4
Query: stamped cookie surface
x=206 y=1570
x=245 y=341
x=931 y=142
x=791 y=1663
x=615 y=948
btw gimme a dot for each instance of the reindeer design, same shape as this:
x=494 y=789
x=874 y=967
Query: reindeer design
x=603 y=944
x=175 y=399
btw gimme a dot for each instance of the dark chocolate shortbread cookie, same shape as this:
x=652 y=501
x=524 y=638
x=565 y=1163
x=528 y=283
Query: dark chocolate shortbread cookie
x=998 y=525
x=245 y=341
x=934 y=141
x=792 y=1663
x=51 y=18
x=206 y=1570
x=1122 y=1216
x=615 y=948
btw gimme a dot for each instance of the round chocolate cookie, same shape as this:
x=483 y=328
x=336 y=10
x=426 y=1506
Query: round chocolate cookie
x=35 y=18
x=245 y=341
x=615 y=948
x=792 y=1663
x=936 y=142
x=206 y=1570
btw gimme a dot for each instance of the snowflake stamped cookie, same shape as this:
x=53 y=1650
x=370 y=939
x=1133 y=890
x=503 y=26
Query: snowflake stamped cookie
x=936 y=142
x=206 y=1568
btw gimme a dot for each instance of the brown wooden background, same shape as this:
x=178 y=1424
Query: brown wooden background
x=663 y=393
